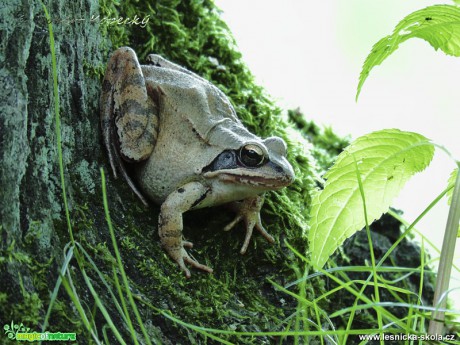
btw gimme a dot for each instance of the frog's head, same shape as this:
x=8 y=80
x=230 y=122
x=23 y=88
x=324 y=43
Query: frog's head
x=261 y=164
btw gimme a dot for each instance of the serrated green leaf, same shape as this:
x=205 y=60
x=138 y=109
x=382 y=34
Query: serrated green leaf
x=386 y=159
x=439 y=25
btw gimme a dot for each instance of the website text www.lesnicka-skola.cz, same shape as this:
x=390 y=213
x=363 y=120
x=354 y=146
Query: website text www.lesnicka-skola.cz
x=404 y=337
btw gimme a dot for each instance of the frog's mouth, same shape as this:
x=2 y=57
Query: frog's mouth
x=256 y=181
x=245 y=177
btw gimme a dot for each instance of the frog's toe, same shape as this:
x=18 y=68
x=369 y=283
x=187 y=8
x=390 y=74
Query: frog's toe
x=187 y=244
x=247 y=238
x=235 y=221
x=196 y=264
x=184 y=258
x=253 y=221
x=264 y=232
x=184 y=268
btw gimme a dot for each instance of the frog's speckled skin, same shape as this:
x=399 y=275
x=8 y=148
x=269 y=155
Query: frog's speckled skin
x=194 y=150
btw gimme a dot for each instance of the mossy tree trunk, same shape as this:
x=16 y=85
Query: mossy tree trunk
x=33 y=230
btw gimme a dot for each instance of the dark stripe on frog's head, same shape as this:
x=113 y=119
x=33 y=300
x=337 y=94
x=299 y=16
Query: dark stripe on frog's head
x=226 y=160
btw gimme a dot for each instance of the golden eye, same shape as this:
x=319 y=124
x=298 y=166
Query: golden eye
x=251 y=156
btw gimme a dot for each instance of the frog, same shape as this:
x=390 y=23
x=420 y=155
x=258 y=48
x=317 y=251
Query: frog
x=178 y=142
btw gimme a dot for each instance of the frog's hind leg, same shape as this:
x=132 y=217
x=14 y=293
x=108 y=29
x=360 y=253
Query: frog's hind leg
x=129 y=113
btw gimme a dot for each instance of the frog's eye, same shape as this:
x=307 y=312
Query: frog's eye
x=251 y=156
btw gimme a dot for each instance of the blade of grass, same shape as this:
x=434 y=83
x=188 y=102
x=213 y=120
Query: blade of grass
x=307 y=303
x=67 y=258
x=301 y=309
x=58 y=121
x=390 y=269
x=425 y=239
x=318 y=319
x=420 y=291
x=101 y=307
x=390 y=304
x=103 y=281
x=371 y=250
x=119 y=262
x=355 y=293
x=125 y=308
x=445 y=263
x=76 y=301
x=106 y=336
x=412 y=225
x=390 y=250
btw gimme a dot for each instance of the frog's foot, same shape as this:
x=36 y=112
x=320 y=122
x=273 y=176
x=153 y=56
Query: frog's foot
x=181 y=257
x=249 y=211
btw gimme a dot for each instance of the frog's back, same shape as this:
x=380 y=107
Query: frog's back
x=192 y=99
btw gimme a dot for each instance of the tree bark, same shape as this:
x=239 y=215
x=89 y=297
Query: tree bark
x=33 y=231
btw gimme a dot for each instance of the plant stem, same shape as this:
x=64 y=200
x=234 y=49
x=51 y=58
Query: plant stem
x=445 y=262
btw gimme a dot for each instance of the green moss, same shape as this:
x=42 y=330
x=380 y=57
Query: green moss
x=93 y=71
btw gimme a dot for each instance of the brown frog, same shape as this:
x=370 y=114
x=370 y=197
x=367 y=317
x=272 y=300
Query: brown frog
x=190 y=148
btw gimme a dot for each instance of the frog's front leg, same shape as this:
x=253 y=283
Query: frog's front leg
x=249 y=211
x=170 y=224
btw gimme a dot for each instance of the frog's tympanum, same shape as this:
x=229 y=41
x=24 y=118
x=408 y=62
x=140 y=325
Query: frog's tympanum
x=187 y=146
